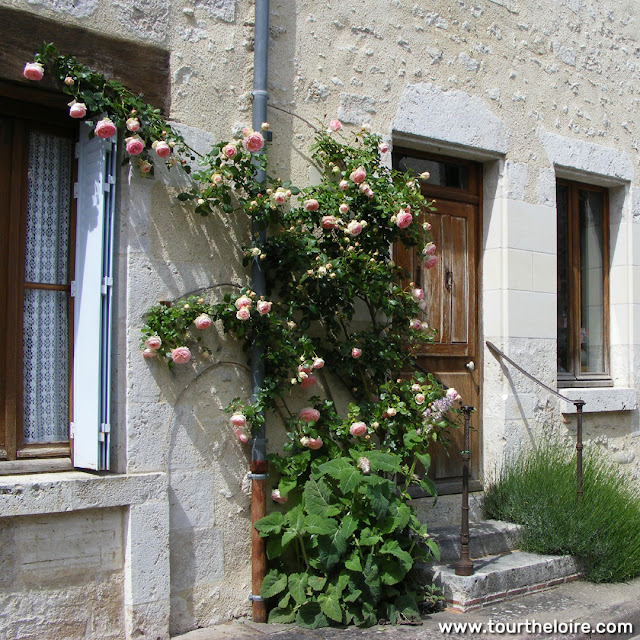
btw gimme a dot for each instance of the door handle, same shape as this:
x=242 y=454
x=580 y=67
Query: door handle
x=470 y=365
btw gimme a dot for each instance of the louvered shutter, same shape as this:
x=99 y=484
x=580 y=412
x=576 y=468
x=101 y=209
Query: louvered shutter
x=92 y=293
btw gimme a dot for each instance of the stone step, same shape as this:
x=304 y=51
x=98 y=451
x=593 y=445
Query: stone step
x=500 y=577
x=486 y=538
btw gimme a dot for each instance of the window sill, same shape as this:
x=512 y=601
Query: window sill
x=36 y=494
x=599 y=399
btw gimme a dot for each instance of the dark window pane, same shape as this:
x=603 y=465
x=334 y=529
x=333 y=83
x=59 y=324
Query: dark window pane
x=564 y=324
x=443 y=174
x=592 y=343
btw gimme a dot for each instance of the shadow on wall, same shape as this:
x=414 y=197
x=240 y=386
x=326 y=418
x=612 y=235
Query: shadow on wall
x=209 y=503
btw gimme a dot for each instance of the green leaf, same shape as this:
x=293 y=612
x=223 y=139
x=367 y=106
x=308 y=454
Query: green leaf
x=310 y=616
x=318 y=499
x=275 y=547
x=425 y=459
x=287 y=537
x=372 y=578
x=330 y=606
x=407 y=608
x=391 y=547
x=322 y=526
x=184 y=196
x=270 y=524
x=368 y=538
x=297 y=586
x=391 y=571
x=286 y=485
x=353 y=563
x=317 y=582
x=428 y=485
x=381 y=461
x=378 y=498
x=282 y=616
x=273 y=583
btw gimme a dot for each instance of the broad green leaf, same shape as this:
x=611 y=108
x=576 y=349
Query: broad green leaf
x=381 y=461
x=295 y=519
x=284 y=601
x=391 y=571
x=433 y=547
x=320 y=525
x=273 y=583
x=287 y=537
x=297 y=586
x=407 y=609
x=310 y=616
x=349 y=479
x=353 y=595
x=372 y=579
x=391 y=547
x=330 y=606
x=270 y=524
x=275 y=547
x=379 y=501
x=425 y=459
x=353 y=563
x=368 y=538
x=286 y=485
x=317 y=582
x=282 y=616
x=348 y=527
x=427 y=485
x=318 y=499
x=334 y=467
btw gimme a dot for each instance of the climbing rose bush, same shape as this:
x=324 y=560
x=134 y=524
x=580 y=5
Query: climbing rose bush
x=343 y=542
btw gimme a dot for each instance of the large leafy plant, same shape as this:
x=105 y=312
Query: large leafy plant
x=338 y=313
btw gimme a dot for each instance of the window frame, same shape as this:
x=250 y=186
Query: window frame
x=575 y=377
x=25 y=117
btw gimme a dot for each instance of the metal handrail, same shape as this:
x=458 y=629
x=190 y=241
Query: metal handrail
x=579 y=404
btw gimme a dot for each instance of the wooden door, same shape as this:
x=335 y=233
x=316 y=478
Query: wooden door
x=451 y=291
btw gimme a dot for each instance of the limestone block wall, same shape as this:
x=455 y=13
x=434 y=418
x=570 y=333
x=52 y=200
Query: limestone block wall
x=532 y=90
x=62 y=576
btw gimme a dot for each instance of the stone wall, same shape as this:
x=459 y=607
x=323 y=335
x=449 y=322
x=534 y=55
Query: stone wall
x=532 y=90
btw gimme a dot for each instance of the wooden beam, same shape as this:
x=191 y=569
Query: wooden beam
x=143 y=68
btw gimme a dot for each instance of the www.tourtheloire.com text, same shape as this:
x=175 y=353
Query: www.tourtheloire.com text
x=532 y=626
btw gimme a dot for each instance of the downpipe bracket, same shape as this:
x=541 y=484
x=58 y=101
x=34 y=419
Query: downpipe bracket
x=257 y=476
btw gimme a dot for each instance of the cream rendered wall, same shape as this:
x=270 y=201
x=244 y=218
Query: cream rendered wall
x=530 y=89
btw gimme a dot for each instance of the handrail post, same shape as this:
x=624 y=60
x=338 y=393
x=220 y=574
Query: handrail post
x=464 y=566
x=579 y=446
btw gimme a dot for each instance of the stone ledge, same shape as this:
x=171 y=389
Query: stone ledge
x=599 y=399
x=26 y=495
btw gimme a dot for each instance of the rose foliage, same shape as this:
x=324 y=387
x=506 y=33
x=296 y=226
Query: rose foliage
x=338 y=312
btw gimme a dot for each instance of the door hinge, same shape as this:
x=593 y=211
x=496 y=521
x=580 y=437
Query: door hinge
x=73 y=289
x=105 y=427
x=107 y=281
x=72 y=430
x=76 y=189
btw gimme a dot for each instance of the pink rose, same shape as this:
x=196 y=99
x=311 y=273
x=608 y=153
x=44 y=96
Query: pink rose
x=414 y=324
x=238 y=420
x=253 y=142
x=134 y=145
x=419 y=398
x=105 y=128
x=308 y=382
x=318 y=363
x=276 y=497
x=404 y=219
x=311 y=205
x=203 y=321
x=161 y=148
x=153 y=342
x=78 y=110
x=133 y=124
x=355 y=352
x=335 y=125
x=425 y=175
x=391 y=411
x=242 y=435
x=329 y=222
x=364 y=465
x=229 y=150
x=311 y=443
x=429 y=249
x=33 y=71
x=309 y=415
x=343 y=184
x=358 y=175
x=243 y=313
x=181 y=355
x=383 y=147
x=358 y=429
x=144 y=166
x=148 y=353
x=354 y=228
x=69 y=81
x=216 y=178
x=343 y=208
x=430 y=262
x=243 y=301
x=304 y=368
x=415 y=387
x=280 y=197
x=263 y=307
x=417 y=294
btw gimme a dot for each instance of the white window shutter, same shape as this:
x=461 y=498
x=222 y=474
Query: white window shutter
x=92 y=292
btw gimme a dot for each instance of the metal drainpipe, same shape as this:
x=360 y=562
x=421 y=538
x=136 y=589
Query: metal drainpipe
x=258 y=465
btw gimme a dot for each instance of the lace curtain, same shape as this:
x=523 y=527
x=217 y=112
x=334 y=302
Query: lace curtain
x=46 y=311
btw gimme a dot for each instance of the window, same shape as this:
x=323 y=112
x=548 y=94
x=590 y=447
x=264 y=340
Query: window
x=583 y=285
x=56 y=206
